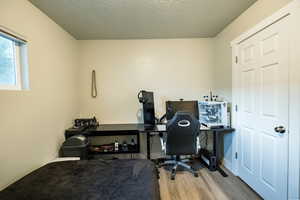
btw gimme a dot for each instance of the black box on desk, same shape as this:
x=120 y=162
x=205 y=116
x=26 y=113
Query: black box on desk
x=75 y=146
x=148 y=108
x=74 y=131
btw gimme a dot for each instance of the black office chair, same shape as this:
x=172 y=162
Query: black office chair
x=181 y=139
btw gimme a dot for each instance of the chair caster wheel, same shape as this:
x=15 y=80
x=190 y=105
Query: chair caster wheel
x=196 y=174
x=172 y=178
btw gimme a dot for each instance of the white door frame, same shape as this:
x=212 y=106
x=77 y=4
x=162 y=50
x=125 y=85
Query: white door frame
x=293 y=11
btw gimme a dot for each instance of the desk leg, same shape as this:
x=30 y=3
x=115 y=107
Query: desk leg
x=215 y=148
x=148 y=146
x=216 y=152
x=138 y=142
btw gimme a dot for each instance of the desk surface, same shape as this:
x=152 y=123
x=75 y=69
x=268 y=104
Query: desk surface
x=145 y=128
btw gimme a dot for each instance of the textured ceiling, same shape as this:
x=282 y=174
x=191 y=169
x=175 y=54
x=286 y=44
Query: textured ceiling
x=141 y=19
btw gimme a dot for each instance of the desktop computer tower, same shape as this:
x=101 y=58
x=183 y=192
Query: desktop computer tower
x=148 y=107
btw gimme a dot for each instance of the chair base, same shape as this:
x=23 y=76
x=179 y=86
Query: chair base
x=175 y=164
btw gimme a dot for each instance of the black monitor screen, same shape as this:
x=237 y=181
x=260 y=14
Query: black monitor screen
x=184 y=106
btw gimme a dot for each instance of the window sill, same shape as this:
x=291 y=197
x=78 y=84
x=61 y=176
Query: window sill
x=13 y=88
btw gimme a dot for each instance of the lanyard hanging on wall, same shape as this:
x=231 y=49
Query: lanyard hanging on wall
x=94 y=92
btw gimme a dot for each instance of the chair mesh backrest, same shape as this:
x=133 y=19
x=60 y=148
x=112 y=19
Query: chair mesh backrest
x=182 y=132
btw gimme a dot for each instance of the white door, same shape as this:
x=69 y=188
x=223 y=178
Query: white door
x=263 y=117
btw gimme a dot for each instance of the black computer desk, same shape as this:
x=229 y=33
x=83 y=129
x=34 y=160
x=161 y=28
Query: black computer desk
x=123 y=129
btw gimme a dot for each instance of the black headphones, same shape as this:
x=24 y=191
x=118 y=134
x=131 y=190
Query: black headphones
x=141 y=98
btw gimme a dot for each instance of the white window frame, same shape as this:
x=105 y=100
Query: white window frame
x=17 y=65
x=20 y=60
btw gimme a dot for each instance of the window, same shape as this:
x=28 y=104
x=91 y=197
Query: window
x=8 y=64
x=13 y=63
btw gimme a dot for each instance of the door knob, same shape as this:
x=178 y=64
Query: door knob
x=280 y=129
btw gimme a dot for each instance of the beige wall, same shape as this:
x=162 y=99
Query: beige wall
x=32 y=122
x=172 y=68
x=256 y=13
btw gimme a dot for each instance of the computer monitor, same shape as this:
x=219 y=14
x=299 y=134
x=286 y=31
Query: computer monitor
x=184 y=106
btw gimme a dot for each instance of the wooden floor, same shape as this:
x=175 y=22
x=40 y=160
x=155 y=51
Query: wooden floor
x=208 y=186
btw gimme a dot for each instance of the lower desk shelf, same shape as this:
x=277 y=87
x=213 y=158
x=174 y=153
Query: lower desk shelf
x=109 y=149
